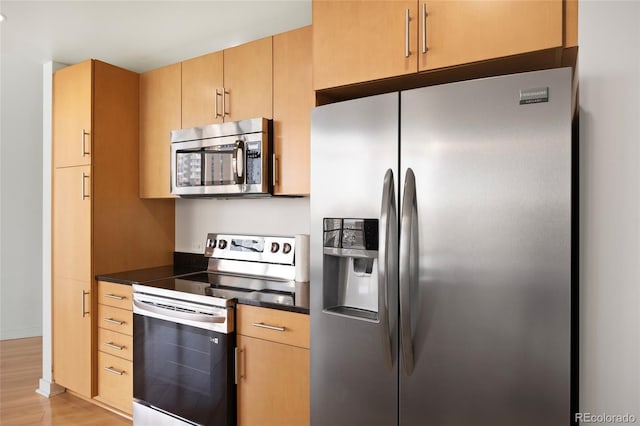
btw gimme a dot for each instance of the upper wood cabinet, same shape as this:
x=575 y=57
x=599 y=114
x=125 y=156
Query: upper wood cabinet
x=160 y=112
x=202 y=85
x=361 y=40
x=248 y=80
x=460 y=32
x=293 y=98
x=72 y=92
x=358 y=40
x=230 y=85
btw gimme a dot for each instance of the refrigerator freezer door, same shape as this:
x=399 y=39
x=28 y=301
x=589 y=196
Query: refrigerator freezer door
x=353 y=145
x=490 y=321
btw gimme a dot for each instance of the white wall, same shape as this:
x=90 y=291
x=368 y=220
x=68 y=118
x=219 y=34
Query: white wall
x=609 y=67
x=20 y=195
x=273 y=216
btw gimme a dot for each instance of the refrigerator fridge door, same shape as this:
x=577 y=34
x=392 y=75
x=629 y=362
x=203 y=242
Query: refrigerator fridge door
x=353 y=245
x=487 y=306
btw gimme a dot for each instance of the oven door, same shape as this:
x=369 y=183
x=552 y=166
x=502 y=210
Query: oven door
x=184 y=371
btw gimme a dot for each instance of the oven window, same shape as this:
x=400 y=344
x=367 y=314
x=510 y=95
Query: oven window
x=184 y=370
x=188 y=168
x=219 y=166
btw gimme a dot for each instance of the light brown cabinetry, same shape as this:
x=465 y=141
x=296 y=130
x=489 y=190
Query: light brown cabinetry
x=99 y=224
x=460 y=32
x=72 y=91
x=230 y=85
x=248 y=80
x=72 y=336
x=358 y=40
x=160 y=113
x=202 y=86
x=273 y=367
x=115 y=346
x=293 y=99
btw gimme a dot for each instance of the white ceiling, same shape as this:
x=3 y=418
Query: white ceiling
x=140 y=35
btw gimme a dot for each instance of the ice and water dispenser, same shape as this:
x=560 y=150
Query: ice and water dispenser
x=350 y=267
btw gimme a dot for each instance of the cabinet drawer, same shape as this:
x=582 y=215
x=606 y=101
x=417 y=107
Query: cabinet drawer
x=116 y=295
x=115 y=319
x=271 y=324
x=115 y=382
x=118 y=344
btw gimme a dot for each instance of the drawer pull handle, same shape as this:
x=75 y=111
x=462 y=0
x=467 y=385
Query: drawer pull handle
x=114 y=296
x=113 y=321
x=268 y=327
x=114 y=371
x=114 y=346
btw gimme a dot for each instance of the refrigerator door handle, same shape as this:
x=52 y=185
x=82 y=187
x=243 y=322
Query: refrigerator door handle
x=408 y=265
x=387 y=253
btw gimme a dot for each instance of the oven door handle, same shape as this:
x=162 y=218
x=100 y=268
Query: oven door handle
x=171 y=315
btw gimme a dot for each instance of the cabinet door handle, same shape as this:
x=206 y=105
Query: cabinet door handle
x=114 y=371
x=114 y=296
x=238 y=374
x=84 y=194
x=275 y=170
x=407 y=52
x=113 y=321
x=114 y=346
x=84 y=307
x=224 y=102
x=84 y=148
x=215 y=104
x=424 y=28
x=268 y=327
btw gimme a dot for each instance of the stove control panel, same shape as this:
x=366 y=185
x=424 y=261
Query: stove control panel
x=252 y=248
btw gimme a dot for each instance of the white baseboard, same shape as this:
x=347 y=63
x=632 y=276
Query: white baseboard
x=49 y=389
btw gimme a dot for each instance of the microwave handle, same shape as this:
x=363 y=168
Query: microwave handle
x=238 y=162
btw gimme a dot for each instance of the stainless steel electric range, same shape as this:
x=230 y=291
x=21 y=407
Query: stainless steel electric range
x=184 y=335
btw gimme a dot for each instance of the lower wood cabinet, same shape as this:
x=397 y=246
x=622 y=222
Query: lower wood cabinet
x=273 y=367
x=115 y=346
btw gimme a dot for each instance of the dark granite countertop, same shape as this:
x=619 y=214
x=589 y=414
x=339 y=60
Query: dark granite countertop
x=165 y=277
x=143 y=276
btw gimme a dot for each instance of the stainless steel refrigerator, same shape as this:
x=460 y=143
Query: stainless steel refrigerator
x=441 y=255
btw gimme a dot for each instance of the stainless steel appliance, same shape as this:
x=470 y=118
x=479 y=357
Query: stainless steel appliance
x=184 y=340
x=441 y=255
x=222 y=159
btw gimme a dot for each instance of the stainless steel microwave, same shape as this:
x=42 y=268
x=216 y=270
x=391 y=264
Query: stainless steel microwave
x=227 y=159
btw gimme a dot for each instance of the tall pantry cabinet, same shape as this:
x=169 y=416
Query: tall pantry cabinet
x=100 y=225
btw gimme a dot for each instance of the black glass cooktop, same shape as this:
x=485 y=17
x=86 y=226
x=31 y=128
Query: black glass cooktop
x=230 y=287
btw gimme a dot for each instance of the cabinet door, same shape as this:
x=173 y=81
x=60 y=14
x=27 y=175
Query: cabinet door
x=72 y=115
x=72 y=334
x=293 y=98
x=361 y=40
x=459 y=32
x=72 y=223
x=248 y=80
x=273 y=383
x=201 y=78
x=159 y=114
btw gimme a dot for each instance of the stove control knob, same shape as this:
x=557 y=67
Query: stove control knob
x=275 y=247
x=286 y=248
x=222 y=244
x=211 y=243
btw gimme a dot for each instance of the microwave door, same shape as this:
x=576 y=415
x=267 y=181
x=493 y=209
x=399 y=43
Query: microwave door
x=221 y=165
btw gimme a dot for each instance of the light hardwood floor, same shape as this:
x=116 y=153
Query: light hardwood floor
x=20 y=370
